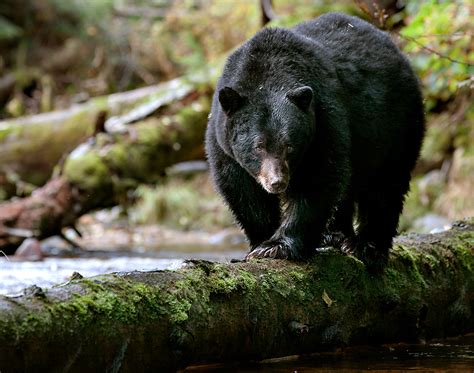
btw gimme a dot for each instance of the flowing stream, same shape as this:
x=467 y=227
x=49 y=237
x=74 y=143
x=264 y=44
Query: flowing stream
x=16 y=275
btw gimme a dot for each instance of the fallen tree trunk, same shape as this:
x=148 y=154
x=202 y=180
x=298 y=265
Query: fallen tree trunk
x=208 y=312
x=99 y=172
x=57 y=133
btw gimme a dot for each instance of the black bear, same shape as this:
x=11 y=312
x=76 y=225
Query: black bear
x=311 y=126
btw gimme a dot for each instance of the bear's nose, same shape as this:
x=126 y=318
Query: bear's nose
x=278 y=185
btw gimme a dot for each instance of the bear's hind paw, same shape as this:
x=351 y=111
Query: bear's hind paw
x=375 y=258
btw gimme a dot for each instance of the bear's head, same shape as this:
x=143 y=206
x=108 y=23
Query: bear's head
x=268 y=131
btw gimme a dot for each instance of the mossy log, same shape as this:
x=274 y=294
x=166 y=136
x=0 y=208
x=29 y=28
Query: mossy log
x=57 y=133
x=209 y=312
x=99 y=172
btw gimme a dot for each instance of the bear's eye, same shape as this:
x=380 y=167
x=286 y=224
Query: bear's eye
x=259 y=146
x=289 y=149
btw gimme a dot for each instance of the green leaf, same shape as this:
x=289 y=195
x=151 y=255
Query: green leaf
x=8 y=30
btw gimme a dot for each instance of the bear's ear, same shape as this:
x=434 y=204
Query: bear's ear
x=230 y=100
x=301 y=97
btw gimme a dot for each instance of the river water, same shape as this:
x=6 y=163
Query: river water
x=15 y=275
x=449 y=355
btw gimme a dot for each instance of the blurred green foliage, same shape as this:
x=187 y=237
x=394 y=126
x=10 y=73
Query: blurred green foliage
x=292 y=12
x=440 y=43
x=181 y=204
x=8 y=30
x=195 y=33
x=113 y=49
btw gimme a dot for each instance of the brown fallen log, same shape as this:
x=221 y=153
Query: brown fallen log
x=208 y=312
x=99 y=172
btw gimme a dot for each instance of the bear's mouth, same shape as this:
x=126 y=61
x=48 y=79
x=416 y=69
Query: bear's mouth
x=273 y=175
x=274 y=189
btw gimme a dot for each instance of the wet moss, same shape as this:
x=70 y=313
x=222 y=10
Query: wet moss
x=275 y=282
x=117 y=156
x=462 y=246
x=178 y=306
x=225 y=281
x=152 y=131
x=200 y=285
x=410 y=262
x=33 y=322
x=98 y=302
x=130 y=163
x=194 y=117
x=87 y=171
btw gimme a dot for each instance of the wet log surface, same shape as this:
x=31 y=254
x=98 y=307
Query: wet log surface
x=209 y=312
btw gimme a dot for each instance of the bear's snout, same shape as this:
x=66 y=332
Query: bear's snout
x=273 y=175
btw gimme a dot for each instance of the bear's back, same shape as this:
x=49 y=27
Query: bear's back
x=381 y=92
x=341 y=34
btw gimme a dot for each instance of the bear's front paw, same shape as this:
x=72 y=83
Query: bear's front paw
x=276 y=249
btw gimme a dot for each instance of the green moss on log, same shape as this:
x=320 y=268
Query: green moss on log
x=88 y=171
x=114 y=164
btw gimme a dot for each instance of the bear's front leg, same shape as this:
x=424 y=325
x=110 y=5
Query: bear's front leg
x=256 y=211
x=304 y=221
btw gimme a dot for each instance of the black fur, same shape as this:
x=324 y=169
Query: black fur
x=335 y=101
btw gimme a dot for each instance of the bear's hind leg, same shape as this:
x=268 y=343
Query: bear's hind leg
x=340 y=231
x=379 y=210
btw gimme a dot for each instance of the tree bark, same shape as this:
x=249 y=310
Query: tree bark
x=208 y=312
x=99 y=172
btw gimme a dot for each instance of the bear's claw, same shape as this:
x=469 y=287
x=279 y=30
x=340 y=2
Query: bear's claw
x=270 y=249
